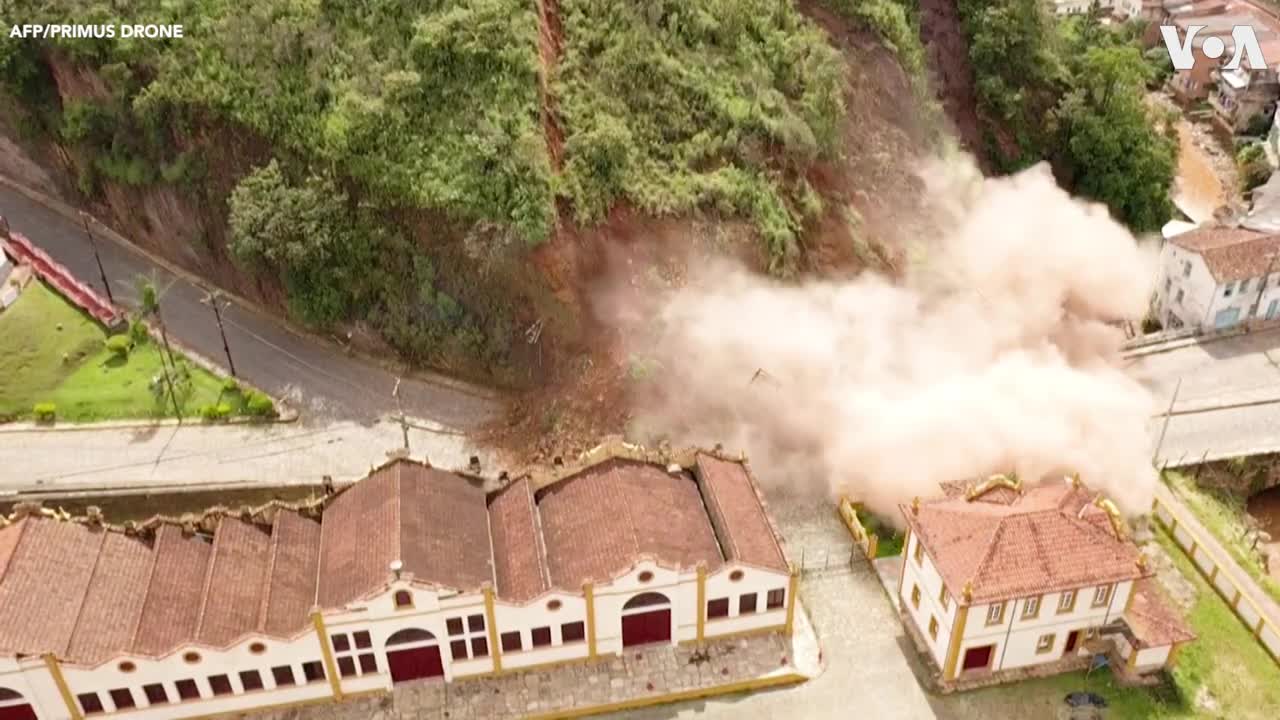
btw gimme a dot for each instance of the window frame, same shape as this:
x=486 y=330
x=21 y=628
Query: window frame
x=90 y=703
x=147 y=692
x=544 y=633
x=218 y=682
x=179 y=685
x=944 y=598
x=918 y=553
x=1036 y=601
x=995 y=613
x=1064 y=608
x=933 y=628
x=313 y=672
x=915 y=596
x=780 y=594
x=1102 y=595
x=748 y=604
x=276 y=673
x=1044 y=649
x=472 y=632
x=504 y=641
x=713 y=606
x=257 y=680
x=124 y=692
x=579 y=633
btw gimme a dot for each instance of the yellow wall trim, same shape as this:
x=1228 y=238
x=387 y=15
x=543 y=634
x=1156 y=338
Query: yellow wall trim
x=589 y=592
x=495 y=651
x=330 y=667
x=744 y=686
x=51 y=662
x=957 y=638
x=906 y=544
x=702 y=601
x=792 y=586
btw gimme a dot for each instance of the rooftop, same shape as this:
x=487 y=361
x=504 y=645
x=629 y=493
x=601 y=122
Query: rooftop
x=1151 y=618
x=1231 y=253
x=88 y=591
x=999 y=540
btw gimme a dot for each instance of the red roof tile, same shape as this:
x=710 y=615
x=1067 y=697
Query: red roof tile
x=175 y=592
x=1152 y=619
x=518 y=554
x=236 y=582
x=598 y=523
x=291 y=583
x=44 y=584
x=113 y=603
x=738 y=515
x=1051 y=538
x=1231 y=253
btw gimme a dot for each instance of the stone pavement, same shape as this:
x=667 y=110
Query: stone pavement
x=638 y=673
x=123 y=455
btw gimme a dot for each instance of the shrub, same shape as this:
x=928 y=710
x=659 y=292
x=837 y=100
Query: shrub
x=230 y=385
x=259 y=405
x=119 y=345
x=45 y=412
x=215 y=413
x=138 y=332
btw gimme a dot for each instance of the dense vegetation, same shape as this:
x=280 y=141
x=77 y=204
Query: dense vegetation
x=1071 y=91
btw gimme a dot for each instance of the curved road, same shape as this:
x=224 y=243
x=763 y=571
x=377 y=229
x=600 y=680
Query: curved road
x=314 y=376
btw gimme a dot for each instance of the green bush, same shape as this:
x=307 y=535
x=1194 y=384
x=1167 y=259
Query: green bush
x=119 y=345
x=215 y=413
x=259 y=405
x=229 y=385
x=138 y=332
x=45 y=412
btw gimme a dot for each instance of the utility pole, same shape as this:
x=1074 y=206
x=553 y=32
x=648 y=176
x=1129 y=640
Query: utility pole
x=84 y=220
x=165 y=368
x=1155 y=458
x=215 y=301
x=404 y=424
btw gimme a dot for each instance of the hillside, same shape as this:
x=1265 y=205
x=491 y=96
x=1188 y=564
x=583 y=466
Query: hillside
x=448 y=179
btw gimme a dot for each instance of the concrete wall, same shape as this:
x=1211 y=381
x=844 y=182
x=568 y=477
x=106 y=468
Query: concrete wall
x=923 y=574
x=1203 y=298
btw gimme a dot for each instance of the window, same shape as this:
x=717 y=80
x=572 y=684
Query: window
x=123 y=699
x=347 y=666
x=220 y=684
x=126 y=667
x=573 y=632
x=1186 y=268
x=746 y=604
x=458 y=649
x=187 y=689
x=1179 y=297
x=471 y=628
x=915 y=596
x=90 y=703
x=1044 y=644
x=404 y=599
x=1031 y=608
x=775 y=599
x=1067 y=601
x=156 y=694
x=919 y=552
x=479 y=647
x=645 y=576
x=944 y=598
x=553 y=605
x=250 y=680
x=995 y=613
x=718 y=608
x=475 y=623
x=313 y=671
x=257 y=648
x=341 y=643
x=1227 y=291
x=1101 y=596
x=541 y=636
x=191 y=658
x=283 y=675
x=362 y=640
x=454 y=625
x=511 y=642
x=735 y=576
x=933 y=628
x=347 y=659
x=368 y=664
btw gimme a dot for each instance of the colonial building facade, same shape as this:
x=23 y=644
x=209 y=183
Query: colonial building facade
x=410 y=573
x=1218 y=277
x=998 y=578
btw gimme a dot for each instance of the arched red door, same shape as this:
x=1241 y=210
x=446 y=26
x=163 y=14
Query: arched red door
x=646 y=618
x=412 y=654
x=14 y=707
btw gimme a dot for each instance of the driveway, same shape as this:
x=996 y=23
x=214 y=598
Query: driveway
x=312 y=374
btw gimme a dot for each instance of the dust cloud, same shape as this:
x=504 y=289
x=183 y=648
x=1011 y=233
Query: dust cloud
x=997 y=351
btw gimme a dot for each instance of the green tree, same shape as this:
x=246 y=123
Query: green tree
x=1108 y=146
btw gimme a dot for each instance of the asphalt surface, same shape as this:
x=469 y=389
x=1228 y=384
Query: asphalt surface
x=314 y=376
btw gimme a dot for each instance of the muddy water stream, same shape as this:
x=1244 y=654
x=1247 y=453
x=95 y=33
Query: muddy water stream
x=1265 y=508
x=1198 y=191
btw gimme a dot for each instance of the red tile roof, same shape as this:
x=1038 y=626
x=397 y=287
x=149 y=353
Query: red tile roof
x=738 y=514
x=235 y=584
x=113 y=603
x=292 y=574
x=1232 y=253
x=1152 y=619
x=174 y=593
x=598 y=523
x=1050 y=538
x=519 y=557
x=44 y=585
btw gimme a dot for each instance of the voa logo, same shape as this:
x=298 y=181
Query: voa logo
x=1242 y=36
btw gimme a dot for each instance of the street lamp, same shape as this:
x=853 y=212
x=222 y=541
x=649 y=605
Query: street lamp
x=84 y=220
x=216 y=301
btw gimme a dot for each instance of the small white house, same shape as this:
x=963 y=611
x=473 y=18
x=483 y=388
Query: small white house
x=410 y=573
x=998 y=578
x=1218 y=277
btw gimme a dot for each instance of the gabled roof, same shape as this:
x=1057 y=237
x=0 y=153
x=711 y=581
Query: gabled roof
x=1152 y=619
x=1231 y=253
x=1047 y=538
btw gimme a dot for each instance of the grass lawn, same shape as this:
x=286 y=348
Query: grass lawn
x=1224 y=668
x=32 y=348
x=1223 y=514
x=889 y=539
x=71 y=368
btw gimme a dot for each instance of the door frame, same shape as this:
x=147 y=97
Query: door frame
x=1072 y=643
x=431 y=641
x=649 y=607
x=991 y=656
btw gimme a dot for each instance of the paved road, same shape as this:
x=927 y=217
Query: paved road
x=314 y=375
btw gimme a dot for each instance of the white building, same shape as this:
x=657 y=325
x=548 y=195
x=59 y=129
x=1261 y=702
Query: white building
x=1123 y=9
x=411 y=573
x=1213 y=278
x=998 y=578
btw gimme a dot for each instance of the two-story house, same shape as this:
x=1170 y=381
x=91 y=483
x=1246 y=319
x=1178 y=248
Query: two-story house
x=999 y=578
x=1218 y=277
x=1241 y=95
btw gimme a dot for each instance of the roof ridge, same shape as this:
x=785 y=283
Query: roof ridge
x=397 y=497
x=265 y=603
x=315 y=596
x=541 y=544
x=97 y=560
x=212 y=562
x=989 y=551
x=720 y=543
x=146 y=599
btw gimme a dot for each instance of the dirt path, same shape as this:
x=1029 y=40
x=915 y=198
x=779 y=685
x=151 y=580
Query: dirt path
x=550 y=44
x=948 y=56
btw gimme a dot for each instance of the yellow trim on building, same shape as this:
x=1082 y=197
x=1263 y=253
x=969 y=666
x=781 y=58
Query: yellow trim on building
x=635 y=703
x=957 y=637
x=330 y=667
x=495 y=650
x=792 y=586
x=702 y=602
x=902 y=576
x=589 y=593
x=51 y=662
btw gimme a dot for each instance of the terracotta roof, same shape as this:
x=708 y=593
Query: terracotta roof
x=1231 y=253
x=114 y=599
x=737 y=514
x=598 y=523
x=1051 y=538
x=1152 y=619
x=435 y=523
x=44 y=584
x=174 y=593
x=519 y=557
x=291 y=581
x=235 y=584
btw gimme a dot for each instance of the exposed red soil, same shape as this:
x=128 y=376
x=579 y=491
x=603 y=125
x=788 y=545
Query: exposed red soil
x=550 y=44
x=948 y=52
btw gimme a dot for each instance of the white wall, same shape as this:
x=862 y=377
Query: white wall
x=752 y=581
x=925 y=576
x=1153 y=657
x=30 y=677
x=1203 y=298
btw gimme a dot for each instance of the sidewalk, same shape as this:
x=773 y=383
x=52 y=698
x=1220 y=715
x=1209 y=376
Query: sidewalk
x=124 y=455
